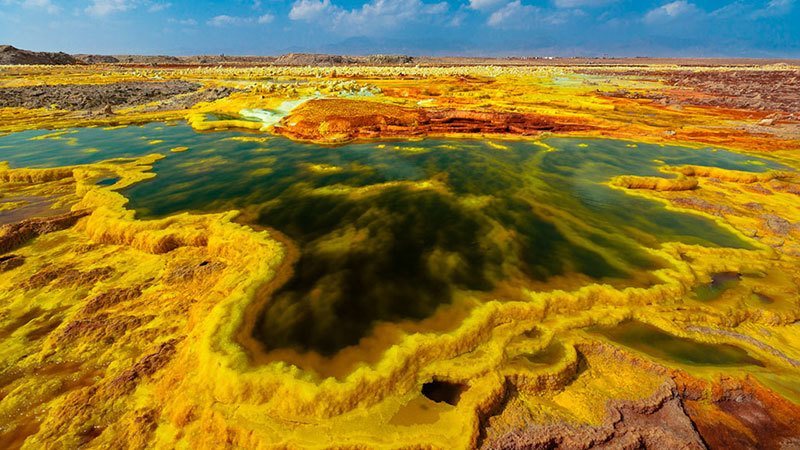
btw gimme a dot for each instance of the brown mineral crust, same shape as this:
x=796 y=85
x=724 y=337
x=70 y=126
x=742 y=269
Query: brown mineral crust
x=77 y=278
x=656 y=422
x=703 y=205
x=14 y=235
x=772 y=90
x=185 y=101
x=684 y=412
x=111 y=298
x=41 y=278
x=754 y=90
x=778 y=225
x=10 y=262
x=100 y=327
x=343 y=120
x=735 y=413
x=192 y=270
x=145 y=367
x=79 y=404
x=782 y=186
x=82 y=97
x=66 y=277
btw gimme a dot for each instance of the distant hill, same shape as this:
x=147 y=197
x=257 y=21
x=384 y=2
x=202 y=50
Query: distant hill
x=96 y=59
x=13 y=55
x=317 y=59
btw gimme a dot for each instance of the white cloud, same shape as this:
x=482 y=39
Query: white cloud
x=774 y=8
x=225 y=20
x=730 y=10
x=457 y=19
x=483 y=5
x=310 y=9
x=518 y=15
x=45 y=5
x=581 y=3
x=670 y=11
x=375 y=15
x=389 y=13
x=156 y=7
x=101 y=8
x=514 y=13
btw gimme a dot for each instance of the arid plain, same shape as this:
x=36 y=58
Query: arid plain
x=394 y=253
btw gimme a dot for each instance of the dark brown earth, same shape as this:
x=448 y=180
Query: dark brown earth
x=761 y=90
x=97 y=59
x=186 y=101
x=83 y=97
x=315 y=59
x=13 y=55
x=15 y=234
x=289 y=59
x=685 y=412
x=656 y=422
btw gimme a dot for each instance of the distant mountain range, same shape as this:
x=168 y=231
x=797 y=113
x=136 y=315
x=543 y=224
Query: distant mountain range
x=10 y=55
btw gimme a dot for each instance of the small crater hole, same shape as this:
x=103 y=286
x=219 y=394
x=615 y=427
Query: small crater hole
x=443 y=391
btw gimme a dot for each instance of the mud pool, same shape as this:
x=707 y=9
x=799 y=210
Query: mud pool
x=398 y=231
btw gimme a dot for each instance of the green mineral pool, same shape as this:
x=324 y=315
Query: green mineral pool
x=392 y=230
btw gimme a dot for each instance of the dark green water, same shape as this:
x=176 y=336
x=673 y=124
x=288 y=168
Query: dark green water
x=651 y=340
x=720 y=282
x=378 y=246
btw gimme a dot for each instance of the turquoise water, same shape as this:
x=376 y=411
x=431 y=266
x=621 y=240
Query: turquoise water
x=392 y=230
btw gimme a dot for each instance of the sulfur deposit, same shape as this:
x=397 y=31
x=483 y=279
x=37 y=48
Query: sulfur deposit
x=494 y=257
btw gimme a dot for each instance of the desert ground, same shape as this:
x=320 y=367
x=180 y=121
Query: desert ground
x=320 y=251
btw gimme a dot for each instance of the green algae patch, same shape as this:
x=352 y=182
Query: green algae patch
x=662 y=345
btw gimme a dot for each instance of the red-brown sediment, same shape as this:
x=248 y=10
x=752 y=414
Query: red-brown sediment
x=344 y=120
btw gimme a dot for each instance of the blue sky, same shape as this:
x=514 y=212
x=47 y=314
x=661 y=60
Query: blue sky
x=759 y=28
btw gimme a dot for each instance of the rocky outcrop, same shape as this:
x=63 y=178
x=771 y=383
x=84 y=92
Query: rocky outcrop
x=97 y=59
x=389 y=60
x=655 y=422
x=14 y=56
x=755 y=90
x=148 y=59
x=685 y=412
x=316 y=59
x=81 y=97
x=313 y=59
x=17 y=234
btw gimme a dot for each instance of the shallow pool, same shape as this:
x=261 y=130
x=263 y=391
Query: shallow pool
x=389 y=231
